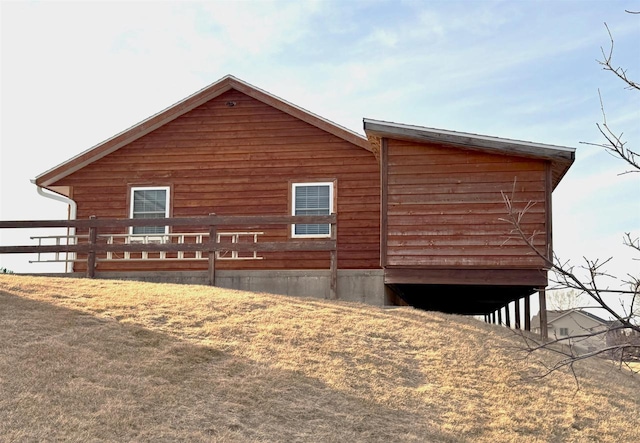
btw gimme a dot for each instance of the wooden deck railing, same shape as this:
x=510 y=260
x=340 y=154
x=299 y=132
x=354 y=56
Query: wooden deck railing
x=212 y=222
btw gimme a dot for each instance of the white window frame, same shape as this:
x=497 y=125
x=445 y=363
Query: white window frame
x=167 y=190
x=294 y=187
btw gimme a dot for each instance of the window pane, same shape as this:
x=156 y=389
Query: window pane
x=312 y=197
x=149 y=203
x=312 y=200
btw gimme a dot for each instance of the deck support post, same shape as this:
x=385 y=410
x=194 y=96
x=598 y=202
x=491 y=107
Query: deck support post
x=527 y=313
x=516 y=306
x=544 y=331
x=91 y=256
x=499 y=316
x=212 y=253
x=333 y=284
x=493 y=317
x=507 y=315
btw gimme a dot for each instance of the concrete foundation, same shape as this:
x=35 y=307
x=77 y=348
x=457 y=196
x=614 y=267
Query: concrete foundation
x=358 y=285
x=365 y=286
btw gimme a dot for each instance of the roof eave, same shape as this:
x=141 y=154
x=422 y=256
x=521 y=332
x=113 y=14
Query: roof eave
x=182 y=107
x=579 y=312
x=133 y=133
x=302 y=114
x=561 y=157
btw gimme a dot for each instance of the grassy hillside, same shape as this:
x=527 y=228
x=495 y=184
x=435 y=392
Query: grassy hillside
x=105 y=360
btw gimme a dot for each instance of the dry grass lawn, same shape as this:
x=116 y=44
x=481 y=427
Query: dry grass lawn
x=91 y=360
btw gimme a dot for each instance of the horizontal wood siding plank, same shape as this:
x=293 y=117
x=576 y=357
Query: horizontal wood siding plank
x=472 y=220
x=438 y=177
x=443 y=276
x=468 y=197
x=289 y=143
x=204 y=171
x=469 y=188
x=233 y=156
x=464 y=261
x=449 y=229
x=514 y=168
x=444 y=158
x=100 y=179
x=460 y=241
x=493 y=209
x=240 y=160
x=446 y=207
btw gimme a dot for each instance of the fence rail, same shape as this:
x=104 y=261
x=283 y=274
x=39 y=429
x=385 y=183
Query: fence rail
x=229 y=253
x=212 y=245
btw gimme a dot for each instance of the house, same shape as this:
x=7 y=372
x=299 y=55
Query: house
x=574 y=323
x=629 y=339
x=418 y=209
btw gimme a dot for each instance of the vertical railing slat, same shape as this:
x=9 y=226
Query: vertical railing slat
x=333 y=285
x=91 y=257
x=212 y=253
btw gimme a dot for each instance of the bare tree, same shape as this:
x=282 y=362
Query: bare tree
x=564 y=299
x=613 y=142
x=592 y=278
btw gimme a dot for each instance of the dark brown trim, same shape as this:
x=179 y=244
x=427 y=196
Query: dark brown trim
x=497 y=277
x=313 y=245
x=384 y=199
x=333 y=283
x=212 y=254
x=91 y=253
x=175 y=221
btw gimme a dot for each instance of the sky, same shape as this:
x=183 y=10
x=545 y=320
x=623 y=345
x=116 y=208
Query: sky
x=73 y=74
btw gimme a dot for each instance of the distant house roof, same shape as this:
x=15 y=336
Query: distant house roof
x=182 y=107
x=561 y=157
x=552 y=316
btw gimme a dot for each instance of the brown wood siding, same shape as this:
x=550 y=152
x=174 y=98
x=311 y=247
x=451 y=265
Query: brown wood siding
x=444 y=206
x=240 y=160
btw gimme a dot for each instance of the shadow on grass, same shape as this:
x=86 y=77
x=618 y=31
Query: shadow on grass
x=68 y=375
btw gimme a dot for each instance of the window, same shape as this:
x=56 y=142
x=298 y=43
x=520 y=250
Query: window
x=312 y=199
x=149 y=203
x=564 y=332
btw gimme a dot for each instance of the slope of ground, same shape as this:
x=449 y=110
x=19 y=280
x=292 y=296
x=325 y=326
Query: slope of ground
x=90 y=360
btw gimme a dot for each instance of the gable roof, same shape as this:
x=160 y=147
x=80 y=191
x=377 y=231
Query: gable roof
x=561 y=157
x=553 y=316
x=182 y=107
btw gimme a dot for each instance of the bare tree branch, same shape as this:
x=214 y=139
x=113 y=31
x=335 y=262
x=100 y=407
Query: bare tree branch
x=607 y=66
x=622 y=336
x=565 y=274
x=633 y=243
x=615 y=145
